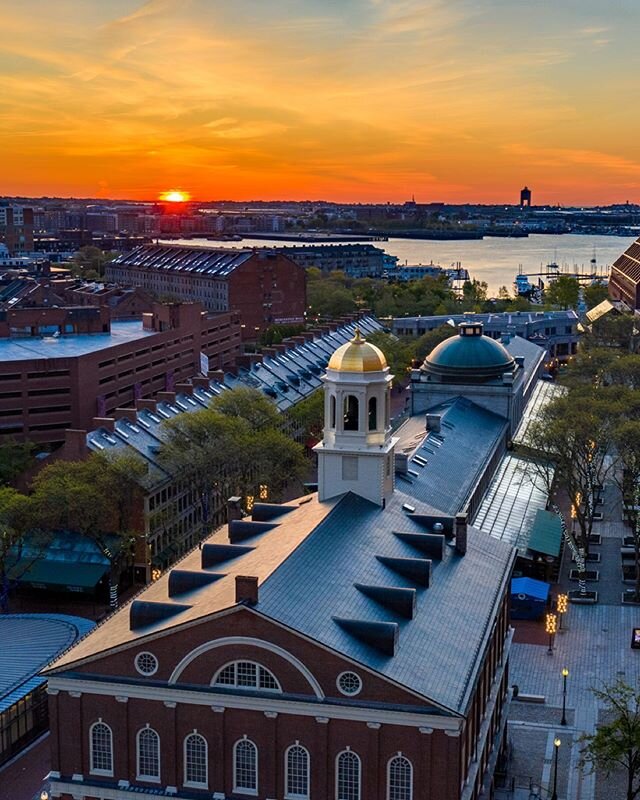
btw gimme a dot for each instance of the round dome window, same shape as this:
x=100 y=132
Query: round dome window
x=146 y=663
x=349 y=683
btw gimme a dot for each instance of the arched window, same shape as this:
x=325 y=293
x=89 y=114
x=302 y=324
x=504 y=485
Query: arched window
x=348 y=769
x=195 y=760
x=373 y=413
x=387 y=408
x=296 y=767
x=148 y=755
x=245 y=767
x=246 y=675
x=332 y=413
x=399 y=779
x=101 y=749
x=351 y=413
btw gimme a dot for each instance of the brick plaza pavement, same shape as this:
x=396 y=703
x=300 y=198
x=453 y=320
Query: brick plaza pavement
x=595 y=648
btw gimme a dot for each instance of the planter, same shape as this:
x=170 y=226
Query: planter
x=628 y=541
x=589 y=598
x=594 y=558
x=598 y=516
x=629 y=598
x=595 y=538
x=589 y=575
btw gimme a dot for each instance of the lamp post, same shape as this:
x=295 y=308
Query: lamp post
x=556 y=744
x=562 y=603
x=565 y=675
x=551 y=627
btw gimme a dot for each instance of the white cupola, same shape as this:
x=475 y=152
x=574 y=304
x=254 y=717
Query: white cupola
x=357 y=452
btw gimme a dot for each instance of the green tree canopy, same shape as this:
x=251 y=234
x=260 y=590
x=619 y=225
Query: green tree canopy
x=15 y=458
x=564 y=292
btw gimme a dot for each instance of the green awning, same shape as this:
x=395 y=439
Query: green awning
x=44 y=574
x=546 y=533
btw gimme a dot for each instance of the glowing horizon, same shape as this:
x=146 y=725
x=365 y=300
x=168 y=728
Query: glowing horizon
x=344 y=100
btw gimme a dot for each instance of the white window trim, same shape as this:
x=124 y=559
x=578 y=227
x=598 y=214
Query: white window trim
x=399 y=754
x=235 y=685
x=341 y=690
x=145 y=653
x=108 y=773
x=241 y=789
x=148 y=778
x=337 y=765
x=291 y=795
x=196 y=784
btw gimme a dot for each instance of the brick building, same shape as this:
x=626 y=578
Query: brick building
x=16 y=229
x=349 y=645
x=624 y=281
x=264 y=286
x=61 y=367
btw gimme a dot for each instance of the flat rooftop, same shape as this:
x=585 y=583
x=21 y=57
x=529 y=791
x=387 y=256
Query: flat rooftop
x=72 y=345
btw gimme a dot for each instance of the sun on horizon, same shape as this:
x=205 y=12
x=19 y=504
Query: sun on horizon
x=175 y=196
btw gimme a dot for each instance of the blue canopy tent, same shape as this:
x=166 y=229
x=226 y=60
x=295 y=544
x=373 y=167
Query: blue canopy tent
x=528 y=598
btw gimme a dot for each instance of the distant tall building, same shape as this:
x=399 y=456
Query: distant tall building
x=525 y=197
x=16 y=229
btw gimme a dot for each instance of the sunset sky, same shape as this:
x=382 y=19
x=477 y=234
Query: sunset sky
x=349 y=100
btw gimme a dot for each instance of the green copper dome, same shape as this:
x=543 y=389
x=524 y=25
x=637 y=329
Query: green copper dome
x=469 y=357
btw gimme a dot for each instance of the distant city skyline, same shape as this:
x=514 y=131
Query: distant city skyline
x=348 y=100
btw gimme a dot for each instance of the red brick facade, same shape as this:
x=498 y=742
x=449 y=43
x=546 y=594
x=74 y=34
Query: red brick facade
x=448 y=754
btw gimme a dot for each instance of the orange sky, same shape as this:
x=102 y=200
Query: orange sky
x=350 y=100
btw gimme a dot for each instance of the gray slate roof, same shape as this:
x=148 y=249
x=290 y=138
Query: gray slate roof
x=456 y=457
x=438 y=649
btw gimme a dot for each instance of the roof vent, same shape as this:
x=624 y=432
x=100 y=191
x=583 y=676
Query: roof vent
x=383 y=636
x=263 y=512
x=182 y=581
x=240 y=529
x=144 y=612
x=417 y=570
x=400 y=600
x=431 y=544
x=214 y=554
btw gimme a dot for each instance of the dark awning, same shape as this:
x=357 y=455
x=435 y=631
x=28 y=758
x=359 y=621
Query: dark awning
x=546 y=533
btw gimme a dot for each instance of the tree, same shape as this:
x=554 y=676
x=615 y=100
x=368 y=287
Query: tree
x=15 y=458
x=564 y=291
x=16 y=555
x=426 y=343
x=90 y=262
x=307 y=416
x=397 y=353
x=94 y=498
x=571 y=439
x=616 y=744
x=474 y=292
x=626 y=440
x=248 y=404
x=595 y=294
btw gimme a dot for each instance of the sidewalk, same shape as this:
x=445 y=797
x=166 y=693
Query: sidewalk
x=595 y=647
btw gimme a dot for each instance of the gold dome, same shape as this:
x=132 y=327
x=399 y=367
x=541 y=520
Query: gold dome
x=358 y=355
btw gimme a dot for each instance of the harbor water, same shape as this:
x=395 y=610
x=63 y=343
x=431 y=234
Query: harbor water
x=495 y=260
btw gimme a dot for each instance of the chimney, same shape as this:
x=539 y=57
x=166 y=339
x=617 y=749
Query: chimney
x=149 y=405
x=461 y=534
x=108 y=423
x=401 y=463
x=434 y=422
x=216 y=375
x=75 y=444
x=234 y=508
x=126 y=413
x=184 y=388
x=200 y=382
x=246 y=589
x=168 y=397
x=520 y=361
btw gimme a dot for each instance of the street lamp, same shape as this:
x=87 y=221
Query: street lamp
x=565 y=674
x=551 y=627
x=44 y=795
x=556 y=744
x=562 y=603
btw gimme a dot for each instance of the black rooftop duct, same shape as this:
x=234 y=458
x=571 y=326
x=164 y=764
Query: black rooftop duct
x=400 y=600
x=241 y=529
x=431 y=544
x=214 y=554
x=417 y=570
x=143 y=613
x=264 y=512
x=383 y=636
x=182 y=580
